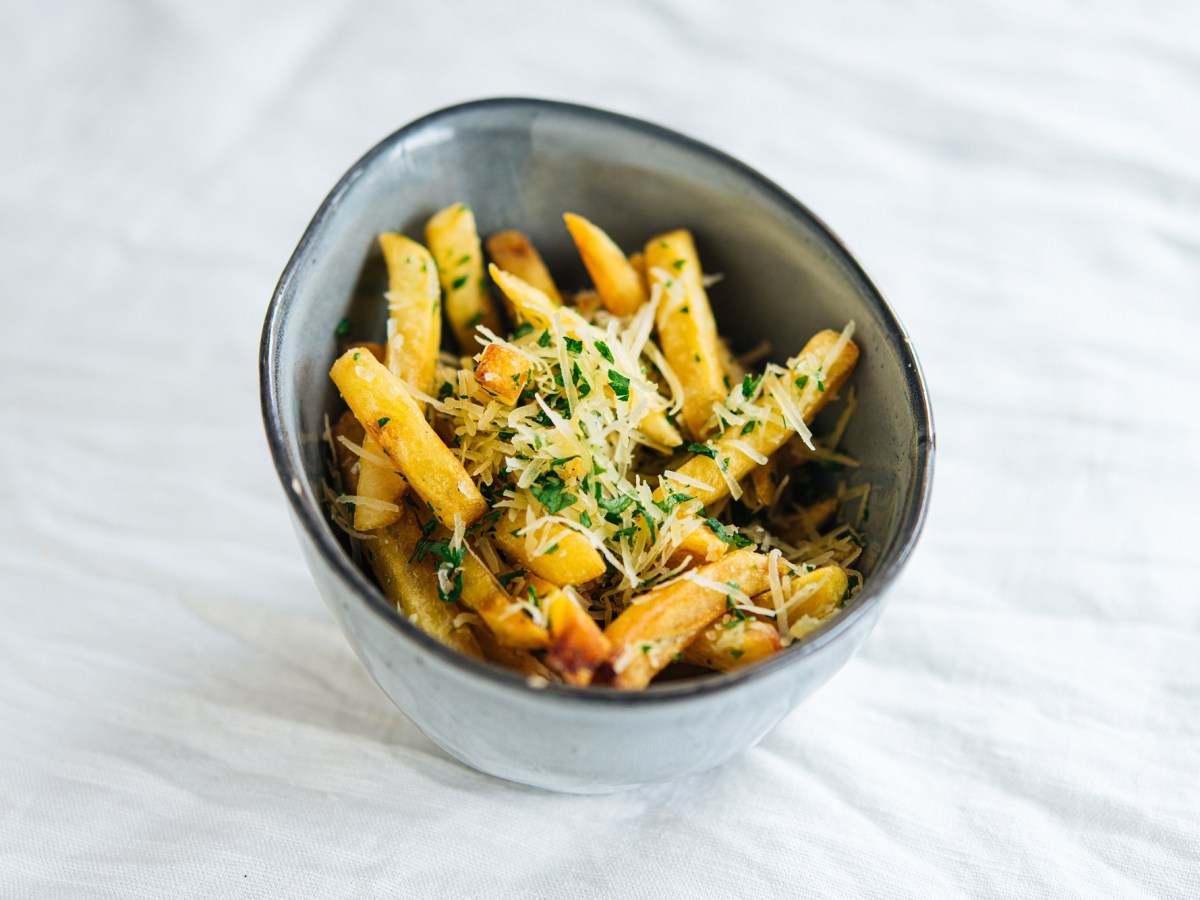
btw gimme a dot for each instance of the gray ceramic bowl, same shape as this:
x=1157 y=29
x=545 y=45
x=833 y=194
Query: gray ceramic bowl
x=521 y=163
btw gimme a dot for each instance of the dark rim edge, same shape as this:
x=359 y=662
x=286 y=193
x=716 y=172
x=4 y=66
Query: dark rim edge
x=288 y=469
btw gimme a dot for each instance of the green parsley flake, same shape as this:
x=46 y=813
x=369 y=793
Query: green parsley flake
x=458 y=282
x=384 y=421
x=702 y=450
x=619 y=384
x=343 y=328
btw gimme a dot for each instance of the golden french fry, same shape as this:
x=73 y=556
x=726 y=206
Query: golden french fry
x=415 y=334
x=412 y=586
x=513 y=252
x=569 y=557
x=765 y=479
x=502 y=373
x=617 y=281
x=375 y=348
x=638 y=261
x=500 y=612
x=539 y=311
x=414 y=308
x=730 y=643
x=648 y=634
x=686 y=328
x=802 y=386
x=380 y=483
x=577 y=646
x=700 y=546
x=816 y=594
x=380 y=401
x=454 y=242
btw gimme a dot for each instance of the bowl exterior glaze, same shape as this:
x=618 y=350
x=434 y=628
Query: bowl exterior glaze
x=522 y=163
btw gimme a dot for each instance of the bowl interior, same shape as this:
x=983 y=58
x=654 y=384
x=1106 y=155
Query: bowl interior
x=521 y=164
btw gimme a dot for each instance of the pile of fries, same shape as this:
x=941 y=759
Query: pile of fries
x=603 y=491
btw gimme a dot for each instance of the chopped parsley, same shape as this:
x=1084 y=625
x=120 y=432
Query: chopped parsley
x=343 y=328
x=551 y=493
x=458 y=282
x=383 y=421
x=544 y=339
x=604 y=351
x=728 y=534
x=702 y=450
x=521 y=330
x=619 y=384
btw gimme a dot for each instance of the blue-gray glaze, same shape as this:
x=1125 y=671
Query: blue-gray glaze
x=522 y=163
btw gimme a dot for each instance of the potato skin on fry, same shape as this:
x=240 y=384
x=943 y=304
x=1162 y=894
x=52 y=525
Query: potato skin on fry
x=502 y=373
x=388 y=412
x=513 y=252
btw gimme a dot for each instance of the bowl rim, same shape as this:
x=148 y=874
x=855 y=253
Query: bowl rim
x=308 y=513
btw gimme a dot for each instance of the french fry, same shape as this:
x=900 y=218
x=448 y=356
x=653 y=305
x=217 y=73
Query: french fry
x=570 y=557
x=809 y=521
x=513 y=252
x=648 y=634
x=770 y=436
x=502 y=373
x=413 y=587
x=638 y=261
x=454 y=242
x=700 y=545
x=587 y=302
x=415 y=333
x=765 y=479
x=344 y=458
x=815 y=594
x=522 y=661
x=537 y=309
x=499 y=611
x=380 y=401
x=577 y=646
x=686 y=328
x=617 y=281
x=414 y=308
x=730 y=643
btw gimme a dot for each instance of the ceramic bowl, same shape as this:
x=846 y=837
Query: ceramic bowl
x=521 y=164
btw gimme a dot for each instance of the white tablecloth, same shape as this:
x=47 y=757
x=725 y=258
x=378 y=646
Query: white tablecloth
x=180 y=716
